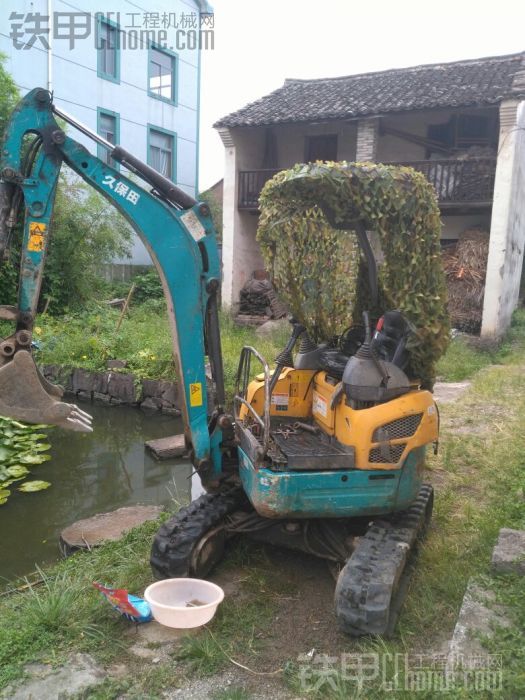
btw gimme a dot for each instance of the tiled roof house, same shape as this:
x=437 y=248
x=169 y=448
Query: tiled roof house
x=459 y=123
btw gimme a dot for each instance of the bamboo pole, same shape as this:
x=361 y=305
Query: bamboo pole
x=125 y=307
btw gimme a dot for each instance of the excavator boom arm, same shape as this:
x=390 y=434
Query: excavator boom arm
x=177 y=232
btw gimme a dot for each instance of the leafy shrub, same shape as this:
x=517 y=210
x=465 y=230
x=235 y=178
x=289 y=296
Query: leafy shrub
x=147 y=286
x=85 y=232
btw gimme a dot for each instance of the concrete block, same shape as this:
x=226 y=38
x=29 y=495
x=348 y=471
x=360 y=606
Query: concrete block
x=168 y=393
x=273 y=326
x=48 y=682
x=163 y=392
x=477 y=617
x=82 y=380
x=58 y=375
x=168 y=447
x=508 y=555
x=122 y=387
x=150 y=387
x=101 y=398
x=105 y=527
x=151 y=404
x=171 y=411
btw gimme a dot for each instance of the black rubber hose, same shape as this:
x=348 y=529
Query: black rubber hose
x=164 y=186
x=7 y=191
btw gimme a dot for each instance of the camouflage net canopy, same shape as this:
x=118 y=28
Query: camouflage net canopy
x=319 y=271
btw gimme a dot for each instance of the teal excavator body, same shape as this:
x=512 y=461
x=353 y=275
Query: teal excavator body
x=314 y=484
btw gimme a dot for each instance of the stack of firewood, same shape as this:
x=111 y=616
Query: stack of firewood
x=258 y=298
x=465 y=265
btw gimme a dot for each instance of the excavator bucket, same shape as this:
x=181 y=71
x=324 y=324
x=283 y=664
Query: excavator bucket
x=27 y=396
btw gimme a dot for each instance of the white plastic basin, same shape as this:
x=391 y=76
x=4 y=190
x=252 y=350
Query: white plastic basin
x=183 y=602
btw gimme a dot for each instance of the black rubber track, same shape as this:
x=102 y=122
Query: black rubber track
x=176 y=538
x=365 y=593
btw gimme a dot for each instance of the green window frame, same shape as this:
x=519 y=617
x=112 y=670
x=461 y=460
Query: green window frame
x=158 y=59
x=154 y=146
x=104 y=29
x=102 y=152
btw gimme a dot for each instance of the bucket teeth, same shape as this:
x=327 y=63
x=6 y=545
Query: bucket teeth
x=27 y=396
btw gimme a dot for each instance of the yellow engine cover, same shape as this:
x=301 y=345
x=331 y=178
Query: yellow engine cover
x=382 y=436
x=292 y=396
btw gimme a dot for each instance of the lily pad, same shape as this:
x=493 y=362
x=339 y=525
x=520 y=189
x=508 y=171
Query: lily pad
x=6 y=484
x=21 y=448
x=34 y=459
x=4 y=453
x=17 y=471
x=32 y=486
x=16 y=424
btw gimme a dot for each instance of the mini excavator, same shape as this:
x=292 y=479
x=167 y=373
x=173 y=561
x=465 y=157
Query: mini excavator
x=324 y=453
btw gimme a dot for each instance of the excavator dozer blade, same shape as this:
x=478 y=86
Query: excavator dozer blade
x=27 y=396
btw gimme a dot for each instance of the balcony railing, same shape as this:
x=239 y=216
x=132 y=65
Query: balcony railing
x=251 y=183
x=457 y=182
x=467 y=181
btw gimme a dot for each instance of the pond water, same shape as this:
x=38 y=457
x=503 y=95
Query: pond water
x=91 y=473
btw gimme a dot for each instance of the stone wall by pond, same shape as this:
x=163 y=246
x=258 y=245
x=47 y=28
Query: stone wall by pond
x=116 y=388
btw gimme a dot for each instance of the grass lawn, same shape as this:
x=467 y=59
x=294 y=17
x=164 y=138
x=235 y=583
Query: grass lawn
x=478 y=477
x=89 y=339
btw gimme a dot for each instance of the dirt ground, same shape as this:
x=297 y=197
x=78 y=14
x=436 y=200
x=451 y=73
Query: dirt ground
x=304 y=620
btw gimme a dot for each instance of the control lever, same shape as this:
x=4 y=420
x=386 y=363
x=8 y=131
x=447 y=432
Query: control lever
x=284 y=358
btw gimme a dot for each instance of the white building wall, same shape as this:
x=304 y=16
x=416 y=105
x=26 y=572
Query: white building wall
x=244 y=150
x=79 y=91
x=291 y=140
x=507 y=234
x=455 y=224
x=240 y=251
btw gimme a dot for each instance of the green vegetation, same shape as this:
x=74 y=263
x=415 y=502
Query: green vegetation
x=147 y=286
x=215 y=205
x=467 y=355
x=9 y=95
x=86 y=232
x=21 y=447
x=89 y=339
x=66 y=612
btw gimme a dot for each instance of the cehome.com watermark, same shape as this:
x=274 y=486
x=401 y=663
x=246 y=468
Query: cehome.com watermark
x=177 y=31
x=413 y=673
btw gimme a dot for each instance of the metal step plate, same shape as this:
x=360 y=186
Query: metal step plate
x=307 y=451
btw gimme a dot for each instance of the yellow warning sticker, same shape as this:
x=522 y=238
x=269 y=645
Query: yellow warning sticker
x=196 y=394
x=37 y=232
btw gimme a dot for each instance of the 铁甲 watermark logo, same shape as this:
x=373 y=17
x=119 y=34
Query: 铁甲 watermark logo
x=413 y=673
x=177 y=31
